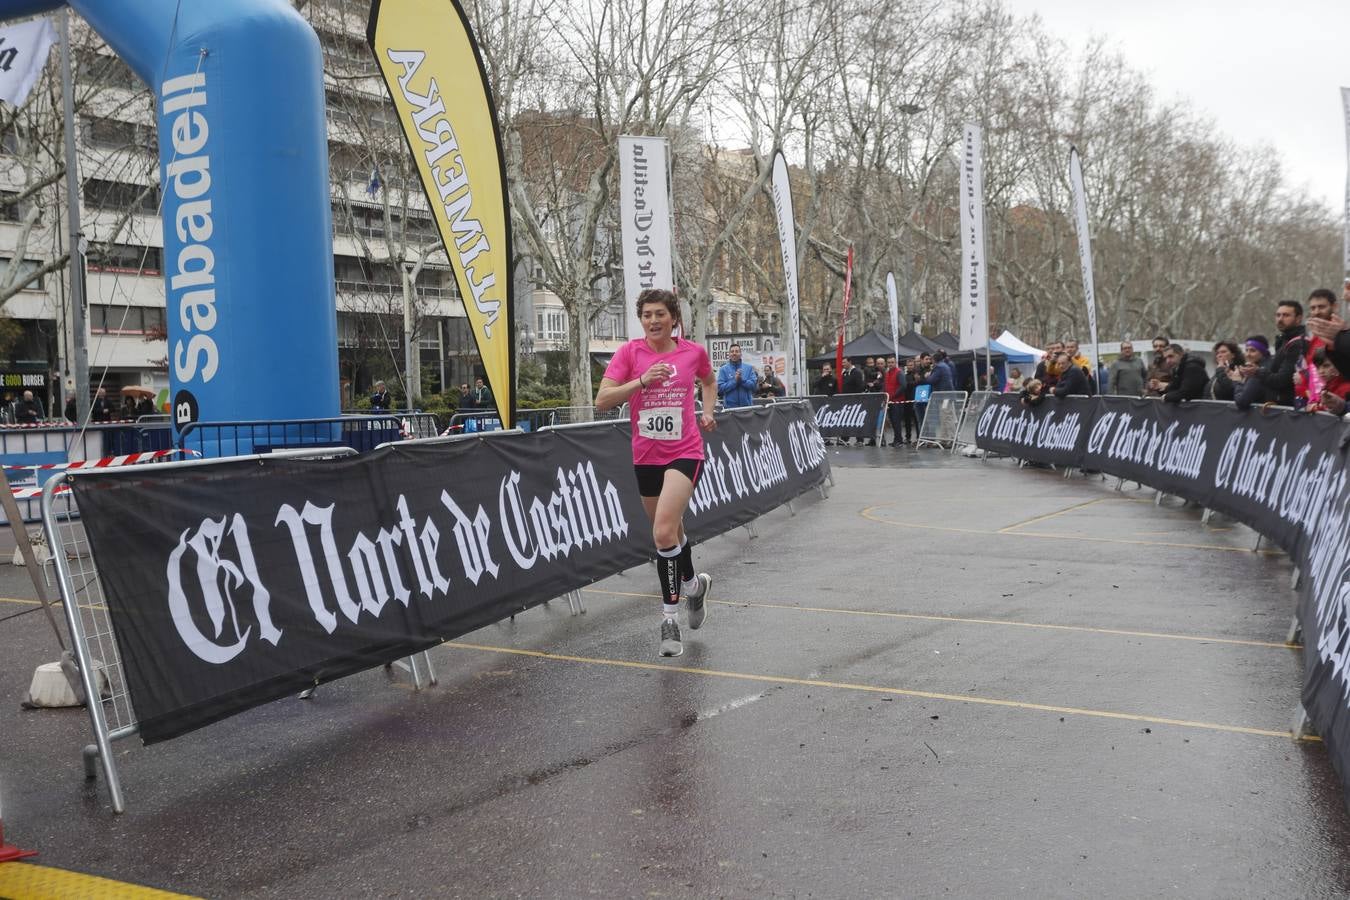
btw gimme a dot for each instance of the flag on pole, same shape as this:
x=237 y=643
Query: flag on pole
x=1345 y=102
x=974 y=294
x=23 y=53
x=1084 y=248
x=843 y=320
x=895 y=313
x=644 y=221
x=787 y=240
x=375 y=183
x=425 y=48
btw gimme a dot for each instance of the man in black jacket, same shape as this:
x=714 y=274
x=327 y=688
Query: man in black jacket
x=826 y=384
x=1276 y=384
x=1072 y=379
x=851 y=379
x=1189 y=375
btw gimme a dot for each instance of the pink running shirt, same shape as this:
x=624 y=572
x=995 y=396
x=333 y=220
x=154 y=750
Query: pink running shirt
x=665 y=427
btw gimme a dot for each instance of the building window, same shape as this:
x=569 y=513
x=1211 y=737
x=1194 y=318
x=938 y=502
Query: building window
x=106 y=70
x=11 y=210
x=721 y=322
x=110 y=134
x=552 y=324
x=26 y=267
x=355 y=275
x=125 y=319
x=120 y=195
x=125 y=259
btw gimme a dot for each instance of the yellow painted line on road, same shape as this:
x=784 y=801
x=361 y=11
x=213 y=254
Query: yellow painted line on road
x=25 y=881
x=868 y=513
x=878 y=689
x=963 y=620
x=20 y=601
x=1068 y=509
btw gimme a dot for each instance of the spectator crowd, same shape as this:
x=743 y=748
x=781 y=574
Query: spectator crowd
x=1306 y=367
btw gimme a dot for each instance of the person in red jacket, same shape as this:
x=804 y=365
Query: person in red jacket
x=1335 y=386
x=894 y=385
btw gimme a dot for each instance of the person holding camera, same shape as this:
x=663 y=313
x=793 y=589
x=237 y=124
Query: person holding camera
x=380 y=399
x=1222 y=386
x=770 y=385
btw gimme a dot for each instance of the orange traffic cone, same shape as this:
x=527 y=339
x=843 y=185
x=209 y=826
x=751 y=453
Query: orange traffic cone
x=7 y=852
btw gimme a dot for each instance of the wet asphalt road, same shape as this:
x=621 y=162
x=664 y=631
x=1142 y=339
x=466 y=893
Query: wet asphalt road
x=950 y=679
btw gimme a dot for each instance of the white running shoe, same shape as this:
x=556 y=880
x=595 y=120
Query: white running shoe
x=670 y=638
x=698 y=606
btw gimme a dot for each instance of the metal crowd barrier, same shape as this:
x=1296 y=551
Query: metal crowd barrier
x=476 y=421
x=93 y=640
x=941 y=418
x=970 y=418
x=360 y=433
x=34 y=445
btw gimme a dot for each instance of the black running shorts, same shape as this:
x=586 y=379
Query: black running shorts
x=651 y=478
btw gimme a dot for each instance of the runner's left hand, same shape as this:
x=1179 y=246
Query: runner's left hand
x=706 y=421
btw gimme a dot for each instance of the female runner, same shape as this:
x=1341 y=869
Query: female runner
x=656 y=374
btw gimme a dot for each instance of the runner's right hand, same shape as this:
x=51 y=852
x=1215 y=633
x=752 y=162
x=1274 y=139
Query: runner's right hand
x=658 y=373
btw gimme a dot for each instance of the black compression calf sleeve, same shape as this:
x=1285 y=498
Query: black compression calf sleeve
x=667 y=569
x=686 y=561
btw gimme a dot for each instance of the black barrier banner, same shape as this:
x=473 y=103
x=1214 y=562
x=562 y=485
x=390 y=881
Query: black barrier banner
x=849 y=415
x=237 y=583
x=1285 y=474
x=1053 y=431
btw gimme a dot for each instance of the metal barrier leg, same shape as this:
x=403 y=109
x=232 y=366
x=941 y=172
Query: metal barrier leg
x=1295 y=633
x=1257 y=545
x=1296 y=579
x=1301 y=726
x=1157 y=498
x=1205 y=516
x=88 y=676
x=431 y=669
x=750 y=530
x=792 y=510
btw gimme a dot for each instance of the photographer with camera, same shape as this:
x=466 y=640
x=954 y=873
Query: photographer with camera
x=1226 y=363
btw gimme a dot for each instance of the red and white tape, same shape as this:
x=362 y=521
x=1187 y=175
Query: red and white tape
x=28 y=493
x=107 y=462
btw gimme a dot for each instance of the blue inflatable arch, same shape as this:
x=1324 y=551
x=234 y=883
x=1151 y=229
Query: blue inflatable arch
x=248 y=265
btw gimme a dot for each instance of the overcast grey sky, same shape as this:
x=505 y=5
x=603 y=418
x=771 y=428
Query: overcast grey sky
x=1265 y=71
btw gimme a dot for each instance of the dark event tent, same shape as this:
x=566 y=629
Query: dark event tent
x=948 y=341
x=918 y=341
x=873 y=343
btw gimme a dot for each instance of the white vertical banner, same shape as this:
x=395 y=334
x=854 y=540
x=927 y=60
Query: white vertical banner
x=894 y=304
x=1345 y=102
x=23 y=53
x=787 y=241
x=644 y=221
x=1084 y=247
x=974 y=297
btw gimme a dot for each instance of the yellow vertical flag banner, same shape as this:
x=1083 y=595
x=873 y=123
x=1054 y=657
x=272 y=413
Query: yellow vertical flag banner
x=435 y=75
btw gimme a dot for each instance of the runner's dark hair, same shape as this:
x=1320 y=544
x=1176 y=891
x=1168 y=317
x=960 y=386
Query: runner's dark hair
x=666 y=299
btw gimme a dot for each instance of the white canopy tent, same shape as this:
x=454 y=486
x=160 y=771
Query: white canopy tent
x=1008 y=339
